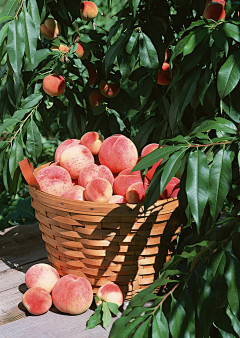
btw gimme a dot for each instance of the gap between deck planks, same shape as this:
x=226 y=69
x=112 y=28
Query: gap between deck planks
x=21 y=247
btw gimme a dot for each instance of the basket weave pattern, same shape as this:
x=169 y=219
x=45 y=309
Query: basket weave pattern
x=107 y=242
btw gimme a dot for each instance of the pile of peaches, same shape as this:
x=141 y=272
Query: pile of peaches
x=97 y=170
x=69 y=294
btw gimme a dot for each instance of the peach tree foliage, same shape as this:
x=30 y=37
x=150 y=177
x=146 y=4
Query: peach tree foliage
x=197 y=115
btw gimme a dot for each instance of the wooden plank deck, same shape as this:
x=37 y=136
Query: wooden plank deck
x=21 y=247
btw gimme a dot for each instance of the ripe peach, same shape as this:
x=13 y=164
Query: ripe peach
x=82 y=52
x=54 y=180
x=109 y=90
x=93 y=74
x=54 y=84
x=147 y=150
x=37 y=301
x=98 y=190
x=72 y=294
x=93 y=141
x=172 y=189
x=75 y=193
x=135 y=193
x=75 y=158
x=64 y=145
x=164 y=77
x=93 y=171
x=41 y=275
x=123 y=181
x=214 y=11
x=95 y=98
x=88 y=10
x=118 y=153
x=61 y=49
x=110 y=292
x=117 y=199
x=50 y=29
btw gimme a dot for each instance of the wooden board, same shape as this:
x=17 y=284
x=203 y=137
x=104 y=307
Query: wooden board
x=20 y=248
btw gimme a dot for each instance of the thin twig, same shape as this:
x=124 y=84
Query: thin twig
x=15 y=16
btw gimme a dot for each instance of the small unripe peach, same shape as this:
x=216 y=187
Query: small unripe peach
x=109 y=90
x=50 y=29
x=95 y=98
x=54 y=84
x=88 y=10
x=164 y=77
x=37 y=301
x=93 y=74
x=82 y=52
x=61 y=49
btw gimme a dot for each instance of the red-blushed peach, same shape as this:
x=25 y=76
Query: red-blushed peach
x=37 y=300
x=54 y=180
x=172 y=189
x=123 y=181
x=75 y=158
x=64 y=145
x=214 y=11
x=164 y=77
x=82 y=52
x=127 y=171
x=50 y=29
x=93 y=141
x=118 y=152
x=95 y=98
x=88 y=10
x=98 y=190
x=110 y=292
x=117 y=199
x=54 y=85
x=41 y=275
x=75 y=193
x=72 y=294
x=135 y=193
x=61 y=49
x=147 y=150
x=109 y=90
x=93 y=171
x=93 y=74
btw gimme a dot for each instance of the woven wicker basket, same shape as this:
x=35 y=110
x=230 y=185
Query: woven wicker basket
x=107 y=242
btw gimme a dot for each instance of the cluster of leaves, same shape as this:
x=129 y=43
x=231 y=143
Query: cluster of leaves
x=102 y=314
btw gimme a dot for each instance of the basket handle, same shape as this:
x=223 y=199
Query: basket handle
x=27 y=171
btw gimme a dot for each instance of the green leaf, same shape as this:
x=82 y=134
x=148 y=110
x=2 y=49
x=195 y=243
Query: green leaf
x=220 y=40
x=142 y=136
x=15 y=157
x=15 y=46
x=72 y=123
x=113 y=51
x=34 y=140
x=120 y=331
x=178 y=320
x=153 y=190
x=219 y=123
x=130 y=56
x=230 y=30
x=229 y=75
x=113 y=308
x=2 y=159
x=95 y=319
x=30 y=35
x=19 y=114
x=197 y=184
x=235 y=322
x=10 y=7
x=148 y=160
x=3 y=32
x=160 y=325
x=220 y=178
x=232 y=272
x=171 y=167
x=9 y=123
x=34 y=12
x=135 y=4
x=31 y=101
x=147 y=53
x=222 y=321
x=218 y=262
x=39 y=56
x=143 y=329
x=194 y=40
